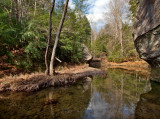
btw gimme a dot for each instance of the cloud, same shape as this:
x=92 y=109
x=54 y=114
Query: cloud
x=71 y=5
x=95 y=15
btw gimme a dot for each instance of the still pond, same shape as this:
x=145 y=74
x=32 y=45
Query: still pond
x=118 y=95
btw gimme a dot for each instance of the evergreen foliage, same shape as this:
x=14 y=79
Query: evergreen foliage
x=29 y=31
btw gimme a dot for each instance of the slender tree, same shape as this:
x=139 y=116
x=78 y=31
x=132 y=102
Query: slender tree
x=17 y=10
x=35 y=7
x=49 y=38
x=114 y=17
x=51 y=72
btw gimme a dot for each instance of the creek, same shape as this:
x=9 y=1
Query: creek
x=121 y=94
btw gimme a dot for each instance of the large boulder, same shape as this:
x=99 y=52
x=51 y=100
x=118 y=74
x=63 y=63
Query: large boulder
x=147 y=32
x=86 y=54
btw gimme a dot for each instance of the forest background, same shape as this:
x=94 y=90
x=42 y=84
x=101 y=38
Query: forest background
x=24 y=32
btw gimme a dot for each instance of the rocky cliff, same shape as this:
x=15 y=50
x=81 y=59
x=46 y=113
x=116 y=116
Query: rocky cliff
x=147 y=32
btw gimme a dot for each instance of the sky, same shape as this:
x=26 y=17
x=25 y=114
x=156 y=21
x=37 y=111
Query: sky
x=95 y=13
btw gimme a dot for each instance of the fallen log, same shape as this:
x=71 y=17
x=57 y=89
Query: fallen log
x=40 y=81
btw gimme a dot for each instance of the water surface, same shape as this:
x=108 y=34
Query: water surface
x=118 y=95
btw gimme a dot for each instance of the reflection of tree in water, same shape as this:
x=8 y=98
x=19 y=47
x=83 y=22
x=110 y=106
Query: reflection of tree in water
x=116 y=96
x=72 y=102
x=149 y=105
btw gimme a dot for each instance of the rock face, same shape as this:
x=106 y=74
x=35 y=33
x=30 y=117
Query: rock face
x=87 y=56
x=147 y=32
x=148 y=17
x=95 y=63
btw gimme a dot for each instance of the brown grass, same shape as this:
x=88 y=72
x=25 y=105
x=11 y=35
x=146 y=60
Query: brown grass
x=141 y=64
x=36 y=81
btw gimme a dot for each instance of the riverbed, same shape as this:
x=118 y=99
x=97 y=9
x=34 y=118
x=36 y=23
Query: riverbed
x=120 y=94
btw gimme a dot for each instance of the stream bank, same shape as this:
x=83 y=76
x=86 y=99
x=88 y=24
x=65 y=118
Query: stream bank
x=37 y=81
x=65 y=76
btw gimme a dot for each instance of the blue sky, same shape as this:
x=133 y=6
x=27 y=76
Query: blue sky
x=95 y=13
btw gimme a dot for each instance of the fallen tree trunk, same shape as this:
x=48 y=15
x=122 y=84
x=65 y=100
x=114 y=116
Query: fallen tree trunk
x=40 y=81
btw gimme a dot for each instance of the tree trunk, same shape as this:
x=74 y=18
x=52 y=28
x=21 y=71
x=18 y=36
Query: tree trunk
x=10 y=13
x=57 y=38
x=49 y=38
x=91 y=38
x=17 y=10
x=21 y=11
x=121 y=36
x=35 y=7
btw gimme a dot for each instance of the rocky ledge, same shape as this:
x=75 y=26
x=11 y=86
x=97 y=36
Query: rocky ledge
x=147 y=34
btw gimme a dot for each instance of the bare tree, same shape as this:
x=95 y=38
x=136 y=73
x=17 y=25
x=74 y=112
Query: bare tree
x=51 y=72
x=92 y=32
x=114 y=18
x=49 y=38
x=17 y=16
x=18 y=10
x=35 y=7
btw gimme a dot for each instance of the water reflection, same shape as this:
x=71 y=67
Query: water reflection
x=115 y=97
x=149 y=105
x=112 y=97
x=71 y=103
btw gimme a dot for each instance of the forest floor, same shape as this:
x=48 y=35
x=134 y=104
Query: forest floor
x=140 y=63
x=7 y=69
x=21 y=81
x=135 y=66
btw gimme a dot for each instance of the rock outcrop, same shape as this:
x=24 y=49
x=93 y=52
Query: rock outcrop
x=147 y=32
x=86 y=54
